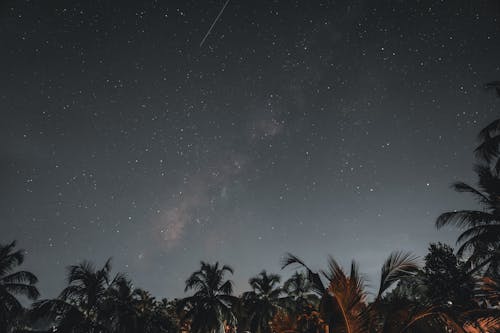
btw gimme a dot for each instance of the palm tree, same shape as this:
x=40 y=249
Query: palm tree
x=298 y=289
x=120 y=304
x=343 y=299
x=81 y=306
x=135 y=310
x=209 y=308
x=12 y=284
x=264 y=301
x=436 y=299
x=481 y=228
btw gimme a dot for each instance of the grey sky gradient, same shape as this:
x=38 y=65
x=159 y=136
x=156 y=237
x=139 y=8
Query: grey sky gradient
x=315 y=127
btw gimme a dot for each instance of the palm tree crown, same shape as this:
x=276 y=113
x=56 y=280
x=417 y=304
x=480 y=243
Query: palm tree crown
x=263 y=301
x=13 y=283
x=209 y=308
x=80 y=306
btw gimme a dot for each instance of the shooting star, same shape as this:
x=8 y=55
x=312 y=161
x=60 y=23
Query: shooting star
x=214 y=22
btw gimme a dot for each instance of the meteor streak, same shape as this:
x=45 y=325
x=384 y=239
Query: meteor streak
x=214 y=22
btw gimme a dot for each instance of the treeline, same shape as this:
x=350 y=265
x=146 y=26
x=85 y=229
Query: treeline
x=450 y=292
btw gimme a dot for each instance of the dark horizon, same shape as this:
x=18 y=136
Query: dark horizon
x=317 y=128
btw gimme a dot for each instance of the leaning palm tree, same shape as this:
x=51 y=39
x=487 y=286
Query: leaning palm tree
x=81 y=305
x=209 y=308
x=12 y=284
x=343 y=305
x=480 y=237
x=264 y=301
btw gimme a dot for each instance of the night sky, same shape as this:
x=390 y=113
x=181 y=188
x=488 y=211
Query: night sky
x=315 y=127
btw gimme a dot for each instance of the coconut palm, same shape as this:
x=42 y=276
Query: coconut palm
x=264 y=301
x=209 y=308
x=343 y=299
x=13 y=284
x=135 y=310
x=481 y=228
x=298 y=289
x=81 y=306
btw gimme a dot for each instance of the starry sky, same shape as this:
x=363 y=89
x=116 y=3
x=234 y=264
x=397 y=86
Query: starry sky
x=315 y=127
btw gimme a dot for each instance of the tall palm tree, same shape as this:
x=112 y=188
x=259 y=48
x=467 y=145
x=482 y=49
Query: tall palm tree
x=81 y=305
x=264 y=301
x=343 y=299
x=209 y=308
x=12 y=284
x=481 y=228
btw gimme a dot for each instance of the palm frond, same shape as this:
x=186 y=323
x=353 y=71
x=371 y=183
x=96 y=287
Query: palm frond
x=397 y=266
x=486 y=132
x=464 y=219
x=489 y=181
x=480 y=197
x=491 y=231
x=20 y=277
x=10 y=258
x=29 y=291
x=488 y=149
x=315 y=279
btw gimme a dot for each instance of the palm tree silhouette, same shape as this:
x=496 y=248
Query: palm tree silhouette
x=135 y=310
x=120 y=305
x=81 y=306
x=343 y=299
x=264 y=301
x=298 y=289
x=481 y=228
x=12 y=284
x=209 y=308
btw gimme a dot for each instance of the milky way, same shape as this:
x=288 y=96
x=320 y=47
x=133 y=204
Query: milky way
x=315 y=127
